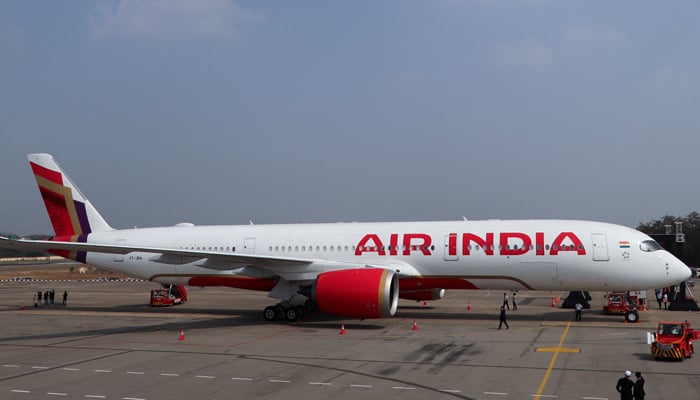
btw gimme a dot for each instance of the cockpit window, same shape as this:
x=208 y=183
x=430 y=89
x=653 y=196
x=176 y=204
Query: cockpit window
x=650 y=245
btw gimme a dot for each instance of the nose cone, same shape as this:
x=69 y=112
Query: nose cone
x=676 y=270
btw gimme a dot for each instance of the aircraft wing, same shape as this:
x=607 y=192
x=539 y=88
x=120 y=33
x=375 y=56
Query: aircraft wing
x=215 y=260
x=290 y=268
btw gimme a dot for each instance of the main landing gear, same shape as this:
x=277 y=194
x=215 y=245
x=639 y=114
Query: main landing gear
x=289 y=312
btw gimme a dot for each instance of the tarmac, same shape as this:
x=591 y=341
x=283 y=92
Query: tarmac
x=107 y=343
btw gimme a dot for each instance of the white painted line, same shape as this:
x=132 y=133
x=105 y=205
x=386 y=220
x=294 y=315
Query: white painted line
x=205 y=376
x=170 y=374
x=242 y=379
x=403 y=388
x=279 y=381
x=70 y=369
x=450 y=391
x=56 y=394
x=135 y=373
x=361 y=386
x=102 y=370
x=40 y=367
x=497 y=393
x=320 y=383
x=11 y=366
x=20 y=391
x=95 y=396
x=132 y=398
x=545 y=395
x=594 y=398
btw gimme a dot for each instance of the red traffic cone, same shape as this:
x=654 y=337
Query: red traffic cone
x=415 y=325
x=425 y=303
x=182 y=334
x=22 y=308
x=469 y=305
x=554 y=302
x=342 y=329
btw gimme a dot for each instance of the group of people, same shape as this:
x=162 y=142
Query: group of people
x=662 y=298
x=502 y=317
x=48 y=297
x=630 y=390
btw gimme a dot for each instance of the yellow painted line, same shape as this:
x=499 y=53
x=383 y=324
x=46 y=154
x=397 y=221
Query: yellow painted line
x=557 y=350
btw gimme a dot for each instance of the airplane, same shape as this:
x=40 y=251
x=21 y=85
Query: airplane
x=357 y=270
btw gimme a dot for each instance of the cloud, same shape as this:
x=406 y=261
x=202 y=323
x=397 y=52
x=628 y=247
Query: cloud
x=172 y=19
x=526 y=53
x=591 y=35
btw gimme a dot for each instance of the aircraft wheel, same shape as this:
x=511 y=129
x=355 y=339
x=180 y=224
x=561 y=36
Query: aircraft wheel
x=291 y=314
x=270 y=313
x=631 y=316
x=301 y=313
x=310 y=305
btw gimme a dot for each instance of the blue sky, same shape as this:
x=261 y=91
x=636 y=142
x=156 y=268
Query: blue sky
x=221 y=112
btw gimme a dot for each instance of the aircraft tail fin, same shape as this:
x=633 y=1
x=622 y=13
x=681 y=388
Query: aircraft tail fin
x=73 y=217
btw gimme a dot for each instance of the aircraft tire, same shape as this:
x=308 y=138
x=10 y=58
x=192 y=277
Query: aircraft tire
x=270 y=314
x=291 y=314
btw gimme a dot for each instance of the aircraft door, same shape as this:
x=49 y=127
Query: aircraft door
x=249 y=245
x=600 y=247
x=120 y=257
x=451 y=247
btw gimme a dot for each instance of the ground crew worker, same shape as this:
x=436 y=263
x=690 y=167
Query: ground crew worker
x=624 y=386
x=578 y=307
x=503 y=318
x=639 y=387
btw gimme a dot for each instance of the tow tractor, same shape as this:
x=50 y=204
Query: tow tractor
x=674 y=340
x=168 y=295
x=622 y=303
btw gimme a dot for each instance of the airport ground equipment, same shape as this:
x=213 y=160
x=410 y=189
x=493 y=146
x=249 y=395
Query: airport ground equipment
x=622 y=303
x=168 y=295
x=674 y=340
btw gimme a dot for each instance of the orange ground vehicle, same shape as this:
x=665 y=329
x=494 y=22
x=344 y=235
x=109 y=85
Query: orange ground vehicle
x=674 y=340
x=168 y=295
x=622 y=303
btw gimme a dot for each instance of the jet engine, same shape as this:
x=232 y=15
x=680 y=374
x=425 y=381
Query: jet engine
x=359 y=293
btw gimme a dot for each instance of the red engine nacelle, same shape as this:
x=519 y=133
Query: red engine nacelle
x=359 y=293
x=420 y=295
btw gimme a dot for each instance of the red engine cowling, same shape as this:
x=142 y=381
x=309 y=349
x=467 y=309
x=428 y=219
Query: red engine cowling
x=418 y=295
x=359 y=293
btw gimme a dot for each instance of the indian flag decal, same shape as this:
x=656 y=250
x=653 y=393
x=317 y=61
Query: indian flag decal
x=624 y=244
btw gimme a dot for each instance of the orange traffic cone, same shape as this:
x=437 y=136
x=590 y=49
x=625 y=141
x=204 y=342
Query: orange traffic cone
x=415 y=325
x=554 y=302
x=342 y=329
x=469 y=305
x=22 y=308
x=182 y=334
x=425 y=303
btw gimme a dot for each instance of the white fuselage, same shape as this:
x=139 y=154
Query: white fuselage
x=493 y=254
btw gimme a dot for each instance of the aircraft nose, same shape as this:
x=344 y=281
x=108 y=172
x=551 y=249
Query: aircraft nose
x=677 y=270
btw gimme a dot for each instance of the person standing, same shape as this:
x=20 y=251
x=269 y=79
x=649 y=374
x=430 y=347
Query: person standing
x=624 y=386
x=515 y=302
x=665 y=300
x=505 y=301
x=639 y=387
x=659 y=297
x=65 y=297
x=502 y=318
x=578 y=307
